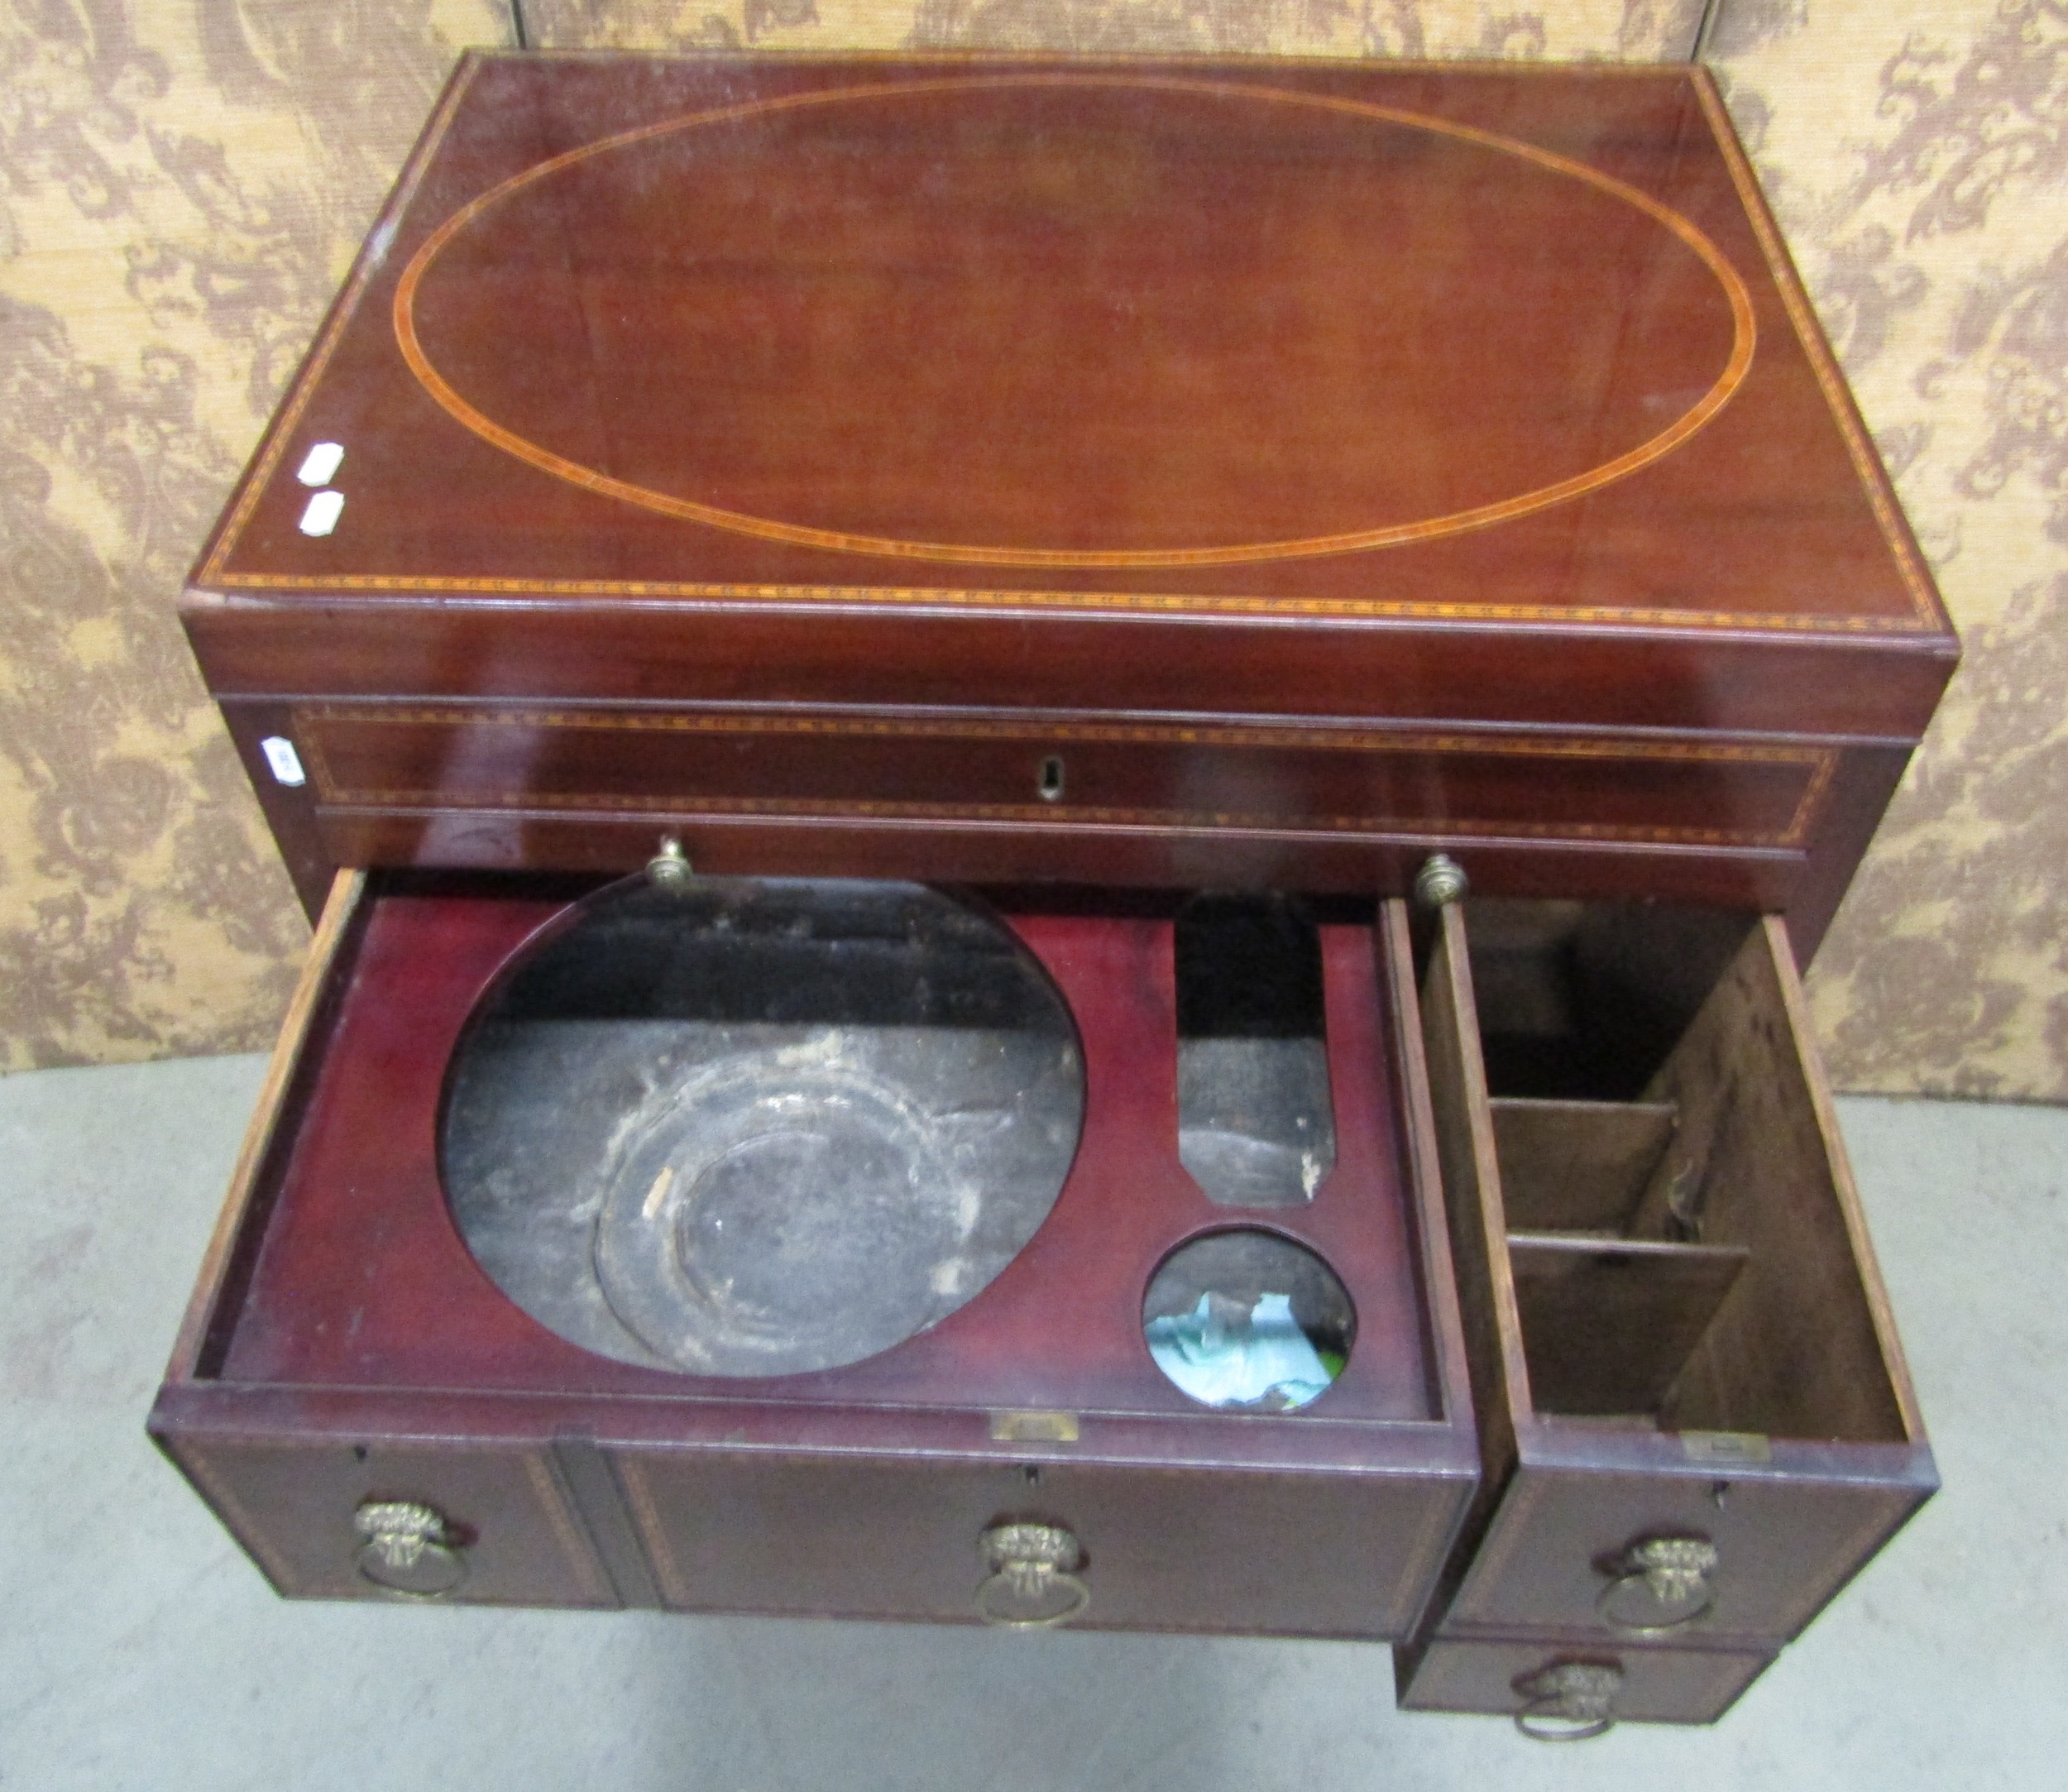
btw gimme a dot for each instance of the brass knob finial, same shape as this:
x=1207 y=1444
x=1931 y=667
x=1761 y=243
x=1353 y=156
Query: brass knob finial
x=1440 y=882
x=669 y=867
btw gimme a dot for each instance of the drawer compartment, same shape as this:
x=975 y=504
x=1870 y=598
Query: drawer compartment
x=364 y=1335
x=1559 y=1693
x=704 y=768
x=1695 y=1414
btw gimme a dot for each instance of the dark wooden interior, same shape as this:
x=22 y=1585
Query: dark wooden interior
x=1715 y=1167
x=346 y=1290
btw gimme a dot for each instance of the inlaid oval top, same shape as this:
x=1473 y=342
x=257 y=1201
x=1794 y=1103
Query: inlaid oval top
x=1048 y=320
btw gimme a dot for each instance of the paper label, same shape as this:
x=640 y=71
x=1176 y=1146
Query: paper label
x=286 y=761
x=320 y=464
x=320 y=515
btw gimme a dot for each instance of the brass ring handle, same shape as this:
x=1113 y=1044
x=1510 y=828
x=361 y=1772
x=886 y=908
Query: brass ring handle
x=1673 y=1573
x=1569 y=1701
x=1544 y=1721
x=1033 y=1582
x=409 y=1550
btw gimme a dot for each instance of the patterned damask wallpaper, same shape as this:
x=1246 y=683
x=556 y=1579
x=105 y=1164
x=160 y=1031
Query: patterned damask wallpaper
x=1916 y=151
x=1635 y=30
x=182 y=182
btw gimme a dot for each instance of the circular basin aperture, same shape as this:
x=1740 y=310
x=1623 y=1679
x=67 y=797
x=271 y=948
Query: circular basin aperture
x=1075 y=321
x=1246 y=1319
x=759 y=1128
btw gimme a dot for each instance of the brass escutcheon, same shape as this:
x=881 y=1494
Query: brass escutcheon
x=1032 y=1583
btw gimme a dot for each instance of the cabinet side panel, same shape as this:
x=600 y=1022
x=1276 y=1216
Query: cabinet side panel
x=1471 y=1194
x=1794 y=1351
x=296 y=1055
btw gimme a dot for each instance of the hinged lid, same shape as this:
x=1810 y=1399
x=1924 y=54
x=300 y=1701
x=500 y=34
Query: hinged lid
x=1301 y=390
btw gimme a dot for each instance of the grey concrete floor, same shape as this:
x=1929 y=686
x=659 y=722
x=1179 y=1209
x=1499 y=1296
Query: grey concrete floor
x=138 y=1649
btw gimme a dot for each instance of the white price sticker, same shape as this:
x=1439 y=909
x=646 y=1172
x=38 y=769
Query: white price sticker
x=280 y=754
x=320 y=515
x=320 y=464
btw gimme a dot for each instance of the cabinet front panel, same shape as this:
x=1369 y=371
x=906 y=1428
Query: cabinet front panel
x=1286 y=1554
x=310 y=1511
x=1561 y=1542
x=1650 y=1685
x=1718 y=794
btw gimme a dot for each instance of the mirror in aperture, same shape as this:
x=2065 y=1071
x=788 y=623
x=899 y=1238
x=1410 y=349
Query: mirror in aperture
x=1256 y=1121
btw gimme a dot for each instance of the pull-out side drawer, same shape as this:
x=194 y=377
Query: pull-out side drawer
x=1696 y=1421
x=370 y=1409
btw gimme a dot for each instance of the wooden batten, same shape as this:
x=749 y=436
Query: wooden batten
x=1578 y=1165
x=1607 y=1323
x=1472 y=1191
x=291 y=1053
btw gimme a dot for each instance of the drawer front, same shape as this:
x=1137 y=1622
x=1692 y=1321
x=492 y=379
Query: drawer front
x=1535 y=1681
x=480 y=1524
x=1560 y=1551
x=1293 y=1555
x=1275 y=780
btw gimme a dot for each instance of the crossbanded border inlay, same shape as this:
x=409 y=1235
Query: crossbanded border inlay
x=1817 y=764
x=1926 y=614
x=1744 y=336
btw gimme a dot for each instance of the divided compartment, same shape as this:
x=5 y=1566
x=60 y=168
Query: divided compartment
x=1255 y=1115
x=1576 y=1008
x=1694 y=1418
x=1673 y=1226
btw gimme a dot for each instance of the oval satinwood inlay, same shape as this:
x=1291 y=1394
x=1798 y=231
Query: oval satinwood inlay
x=1050 y=320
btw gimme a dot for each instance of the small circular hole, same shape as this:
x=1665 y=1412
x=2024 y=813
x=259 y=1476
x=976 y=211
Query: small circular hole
x=1248 y=1320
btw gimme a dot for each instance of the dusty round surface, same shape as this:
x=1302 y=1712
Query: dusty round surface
x=758 y=1217
x=761 y=1128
